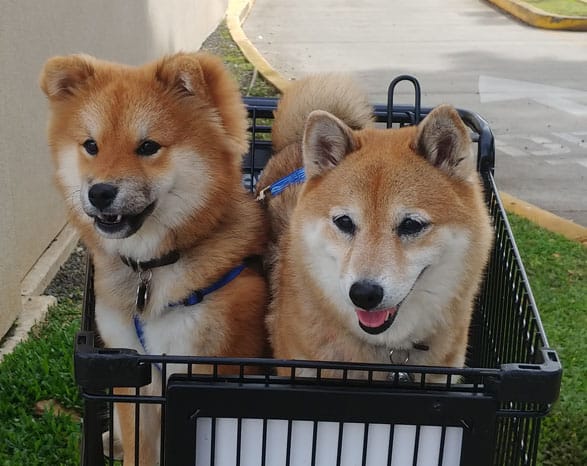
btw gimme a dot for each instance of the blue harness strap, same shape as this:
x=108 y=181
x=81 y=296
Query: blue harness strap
x=141 y=336
x=296 y=177
x=195 y=297
x=139 y=330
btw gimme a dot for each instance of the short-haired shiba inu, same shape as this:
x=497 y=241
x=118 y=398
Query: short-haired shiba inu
x=148 y=160
x=383 y=247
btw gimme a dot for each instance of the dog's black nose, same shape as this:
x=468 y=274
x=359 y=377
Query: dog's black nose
x=102 y=195
x=365 y=294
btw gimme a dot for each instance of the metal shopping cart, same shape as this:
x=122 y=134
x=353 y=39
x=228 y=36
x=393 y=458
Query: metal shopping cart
x=486 y=414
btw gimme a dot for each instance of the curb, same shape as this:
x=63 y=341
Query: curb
x=34 y=304
x=34 y=310
x=47 y=266
x=544 y=219
x=539 y=18
x=236 y=14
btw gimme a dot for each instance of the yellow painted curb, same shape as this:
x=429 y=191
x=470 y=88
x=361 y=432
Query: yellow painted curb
x=237 y=13
x=539 y=18
x=545 y=219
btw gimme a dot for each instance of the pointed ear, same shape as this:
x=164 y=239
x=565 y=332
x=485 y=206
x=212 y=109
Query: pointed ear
x=181 y=73
x=443 y=139
x=203 y=75
x=327 y=140
x=61 y=77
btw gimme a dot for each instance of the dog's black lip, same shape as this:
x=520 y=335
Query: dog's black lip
x=382 y=328
x=130 y=224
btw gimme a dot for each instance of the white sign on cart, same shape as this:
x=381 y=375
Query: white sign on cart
x=327 y=438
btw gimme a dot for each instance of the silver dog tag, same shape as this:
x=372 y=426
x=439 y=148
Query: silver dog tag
x=400 y=357
x=142 y=296
x=143 y=290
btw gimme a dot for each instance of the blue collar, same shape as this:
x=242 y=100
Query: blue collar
x=295 y=177
x=195 y=297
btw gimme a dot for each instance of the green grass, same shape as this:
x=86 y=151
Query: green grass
x=41 y=369
x=251 y=84
x=561 y=7
x=557 y=272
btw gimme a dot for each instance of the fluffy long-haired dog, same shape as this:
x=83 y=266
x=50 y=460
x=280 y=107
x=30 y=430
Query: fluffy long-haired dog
x=381 y=250
x=148 y=160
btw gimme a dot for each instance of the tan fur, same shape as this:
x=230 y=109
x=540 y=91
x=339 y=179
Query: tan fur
x=336 y=93
x=380 y=178
x=190 y=105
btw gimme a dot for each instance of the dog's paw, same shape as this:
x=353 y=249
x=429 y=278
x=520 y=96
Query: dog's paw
x=116 y=453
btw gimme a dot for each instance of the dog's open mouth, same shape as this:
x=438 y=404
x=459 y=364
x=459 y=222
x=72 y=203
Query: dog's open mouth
x=121 y=226
x=376 y=322
x=109 y=219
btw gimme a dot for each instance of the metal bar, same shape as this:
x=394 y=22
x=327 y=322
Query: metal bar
x=162 y=423
x=390 y=450
x=416 y=446
x=365 y=444
x=339 y=445
x=213 y=441
x=239 y=426
x=314 y=438
x=137 y=427
x=288 y=448
x=264 y=443
x=441 y=449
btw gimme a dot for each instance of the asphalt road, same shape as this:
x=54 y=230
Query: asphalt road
x=530 y=84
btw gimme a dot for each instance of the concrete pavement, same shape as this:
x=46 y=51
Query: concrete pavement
x=530 y=84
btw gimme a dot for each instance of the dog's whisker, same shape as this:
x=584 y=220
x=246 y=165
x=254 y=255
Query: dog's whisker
x=424 y=291
x=179 y=196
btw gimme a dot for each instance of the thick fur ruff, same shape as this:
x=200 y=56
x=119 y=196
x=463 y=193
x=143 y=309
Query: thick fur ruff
x=148 y=160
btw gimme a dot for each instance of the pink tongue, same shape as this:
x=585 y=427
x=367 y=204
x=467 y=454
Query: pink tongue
x=374 y=318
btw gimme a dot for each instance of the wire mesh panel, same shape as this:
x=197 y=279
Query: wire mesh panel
x=486 y=414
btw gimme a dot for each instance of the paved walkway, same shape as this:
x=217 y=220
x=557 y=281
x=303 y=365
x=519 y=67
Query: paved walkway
x=530 y=84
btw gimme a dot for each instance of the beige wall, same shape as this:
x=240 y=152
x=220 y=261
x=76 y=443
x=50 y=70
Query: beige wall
x=131 y=31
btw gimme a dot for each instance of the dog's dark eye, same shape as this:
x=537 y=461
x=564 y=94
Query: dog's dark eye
x=148 y=147
x=90 y=146
x=345 y=224
x=410 y=226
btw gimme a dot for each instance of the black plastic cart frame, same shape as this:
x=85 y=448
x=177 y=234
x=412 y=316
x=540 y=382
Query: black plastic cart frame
x=491 y=410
